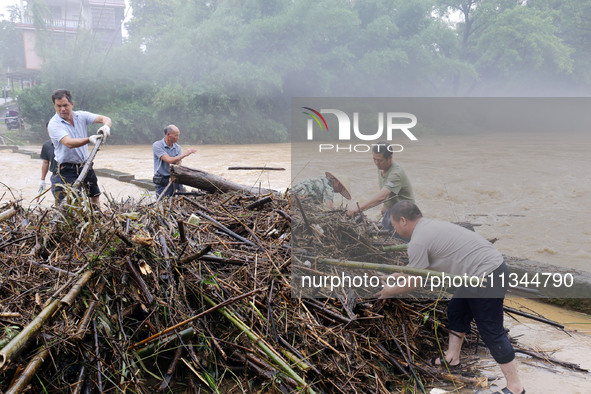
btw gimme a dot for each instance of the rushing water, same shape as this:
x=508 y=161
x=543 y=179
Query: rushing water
x=529 y=192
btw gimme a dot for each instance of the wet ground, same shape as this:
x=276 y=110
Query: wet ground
x=573 y=345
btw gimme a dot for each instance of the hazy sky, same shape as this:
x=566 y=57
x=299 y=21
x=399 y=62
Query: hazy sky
x=6 y=3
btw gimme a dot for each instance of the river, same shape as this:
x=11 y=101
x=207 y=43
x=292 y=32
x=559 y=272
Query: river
x=530 y=192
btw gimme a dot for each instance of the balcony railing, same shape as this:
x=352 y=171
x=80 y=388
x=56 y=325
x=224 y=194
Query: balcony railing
x=54 y=23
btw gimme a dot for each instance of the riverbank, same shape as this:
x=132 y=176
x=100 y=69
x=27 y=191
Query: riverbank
x=575 y=296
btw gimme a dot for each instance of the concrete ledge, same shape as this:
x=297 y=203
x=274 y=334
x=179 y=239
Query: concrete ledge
x=144 y=183
x=576 y=297
x=25 y=152
x=120 y=176
x=8 y=147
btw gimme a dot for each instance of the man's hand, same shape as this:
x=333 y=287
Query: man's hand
x=352 y=212
x=93 y=139
x=41 y=186
x=187 y=153
x=105 y=130
x=392 y=286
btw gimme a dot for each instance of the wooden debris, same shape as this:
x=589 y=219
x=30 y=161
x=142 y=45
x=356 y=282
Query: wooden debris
x=157 y=301
x=210 y=182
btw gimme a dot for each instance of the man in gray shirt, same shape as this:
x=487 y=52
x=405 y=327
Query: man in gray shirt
x=166 y=152
x=452 y=249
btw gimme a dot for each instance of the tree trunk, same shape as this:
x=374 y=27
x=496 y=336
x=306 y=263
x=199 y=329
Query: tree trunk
x=210 y=182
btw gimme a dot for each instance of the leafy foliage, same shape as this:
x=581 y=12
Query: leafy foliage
x=225 y=71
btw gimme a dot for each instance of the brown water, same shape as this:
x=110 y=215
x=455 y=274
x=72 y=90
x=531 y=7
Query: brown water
x=532 y=193
x=572 y=345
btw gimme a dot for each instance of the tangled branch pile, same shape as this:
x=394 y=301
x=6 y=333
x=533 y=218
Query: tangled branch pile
x=190 y=295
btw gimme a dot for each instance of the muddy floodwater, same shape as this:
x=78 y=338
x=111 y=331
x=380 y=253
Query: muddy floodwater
x=531 y=192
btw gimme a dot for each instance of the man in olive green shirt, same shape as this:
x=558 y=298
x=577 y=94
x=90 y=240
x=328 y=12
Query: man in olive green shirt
x=393 y=182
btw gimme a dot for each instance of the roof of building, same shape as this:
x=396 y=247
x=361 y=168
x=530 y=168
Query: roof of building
x=108 y=3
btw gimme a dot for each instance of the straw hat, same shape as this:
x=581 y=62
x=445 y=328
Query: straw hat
x=344 y=181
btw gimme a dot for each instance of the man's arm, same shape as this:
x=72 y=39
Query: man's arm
x=103 y=119
x=176 y=159
x=71 y=143
x=374 y=200
x=44 y=169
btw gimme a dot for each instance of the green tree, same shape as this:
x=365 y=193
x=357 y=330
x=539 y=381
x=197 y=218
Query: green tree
x=508 y=42
x=225 y=71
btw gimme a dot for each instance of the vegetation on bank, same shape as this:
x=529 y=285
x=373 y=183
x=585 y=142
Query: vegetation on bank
x=225 y=72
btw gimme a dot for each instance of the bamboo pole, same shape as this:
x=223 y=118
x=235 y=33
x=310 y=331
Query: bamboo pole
x=257 y=168
x=395 y=248
x=139 y=280
x=52 y=268
x=81 y=379
x=171 y=369
x=197 y=316
x=388 y=268
x=68 y=299
x=88 y=314
x=7 y=214
x=196 y=256
x=25 y=377
x=88 y=163
x=18 y=343
x=260 y=343
x=227 y=230
x=259 y=203
x=150 y=349
x=8 y=315
x=533 y=317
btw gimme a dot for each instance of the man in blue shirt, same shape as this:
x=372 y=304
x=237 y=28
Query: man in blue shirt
x=167 y=152
x=69 y=135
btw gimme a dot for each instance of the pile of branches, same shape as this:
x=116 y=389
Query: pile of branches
x=192 y=294
x=330 y=233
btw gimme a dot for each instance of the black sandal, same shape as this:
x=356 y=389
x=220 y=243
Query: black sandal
x=505 y=390
x=444 y=364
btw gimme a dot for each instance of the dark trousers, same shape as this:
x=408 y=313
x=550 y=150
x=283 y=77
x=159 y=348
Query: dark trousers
x=67 y=174
x=161 y=183
x=488 y=315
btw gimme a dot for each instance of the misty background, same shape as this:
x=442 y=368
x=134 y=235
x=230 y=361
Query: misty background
x=225 y=71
